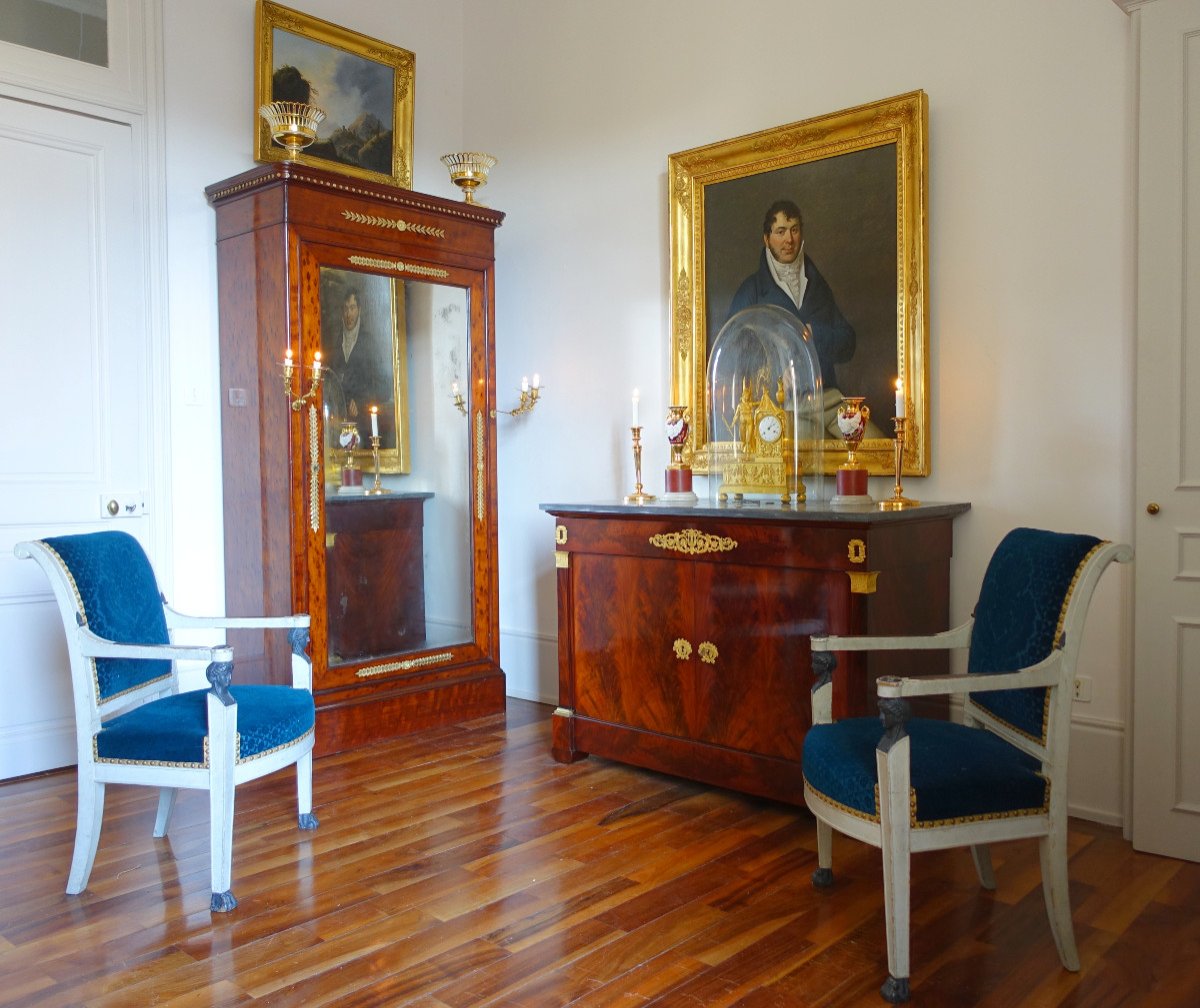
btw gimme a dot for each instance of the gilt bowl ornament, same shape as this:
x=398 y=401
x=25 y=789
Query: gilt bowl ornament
x=293 y=124
x=469 y=170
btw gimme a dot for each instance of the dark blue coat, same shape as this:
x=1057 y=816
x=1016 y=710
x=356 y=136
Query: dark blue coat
x=833 y=335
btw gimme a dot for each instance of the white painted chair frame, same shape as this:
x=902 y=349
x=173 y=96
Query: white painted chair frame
x=894 y=835
x=224 y=772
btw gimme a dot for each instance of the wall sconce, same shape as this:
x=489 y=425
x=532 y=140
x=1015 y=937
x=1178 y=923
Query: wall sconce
x=529 y=397
x=457 y=398
x=290 y=368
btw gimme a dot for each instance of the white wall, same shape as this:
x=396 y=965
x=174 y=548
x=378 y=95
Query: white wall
x=1031 y=262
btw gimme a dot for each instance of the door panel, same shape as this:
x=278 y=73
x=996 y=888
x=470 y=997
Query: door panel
x=756 y=690
x=1166 y=710
x=75 y=342
x=625 y=628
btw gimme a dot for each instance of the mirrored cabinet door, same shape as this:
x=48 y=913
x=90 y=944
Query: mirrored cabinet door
x=399 y=564
x=357 y=378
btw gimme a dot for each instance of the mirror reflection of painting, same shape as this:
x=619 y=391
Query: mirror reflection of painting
x=363 y=348
x=356 y=95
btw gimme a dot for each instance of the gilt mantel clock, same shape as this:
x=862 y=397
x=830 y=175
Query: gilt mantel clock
x=759 y=464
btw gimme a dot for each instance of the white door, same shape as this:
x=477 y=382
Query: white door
x=76 y=356
x=1166 y=690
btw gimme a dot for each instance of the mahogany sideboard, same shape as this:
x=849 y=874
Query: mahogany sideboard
x=683 y=631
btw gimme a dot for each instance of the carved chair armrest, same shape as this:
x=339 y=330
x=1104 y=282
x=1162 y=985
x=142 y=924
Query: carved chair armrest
x=91 y=645
x=958 y=637
x=297 y=626
x=182 y=620
x=824 y=661
x=1044 y=673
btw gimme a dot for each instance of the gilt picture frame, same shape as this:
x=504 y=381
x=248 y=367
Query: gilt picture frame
x=364 y=87
x=859 y=179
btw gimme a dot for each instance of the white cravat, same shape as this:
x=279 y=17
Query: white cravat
x=791 y=277
x=349 y=338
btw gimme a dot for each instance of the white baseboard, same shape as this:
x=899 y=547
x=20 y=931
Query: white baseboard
x=530 y=663
x=27 y=749
x=1095 y=789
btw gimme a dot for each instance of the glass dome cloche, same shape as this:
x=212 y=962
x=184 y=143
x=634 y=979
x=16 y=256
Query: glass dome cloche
x=765 y=419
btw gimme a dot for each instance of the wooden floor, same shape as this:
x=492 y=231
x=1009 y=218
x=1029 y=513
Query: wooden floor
x=463 y=868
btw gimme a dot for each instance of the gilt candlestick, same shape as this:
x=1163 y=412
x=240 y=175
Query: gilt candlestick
x=639 y=496
x=378 y=488
x=898 y=501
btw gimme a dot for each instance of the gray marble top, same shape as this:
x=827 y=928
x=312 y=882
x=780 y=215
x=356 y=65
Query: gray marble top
x=768 y=510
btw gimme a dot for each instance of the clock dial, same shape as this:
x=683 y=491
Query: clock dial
x=769 y=429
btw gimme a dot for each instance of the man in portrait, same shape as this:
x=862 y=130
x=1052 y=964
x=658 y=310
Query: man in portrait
x=356 y=356
x=787 y=277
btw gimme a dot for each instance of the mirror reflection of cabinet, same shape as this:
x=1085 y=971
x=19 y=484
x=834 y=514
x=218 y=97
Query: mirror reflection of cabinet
x=395 y=290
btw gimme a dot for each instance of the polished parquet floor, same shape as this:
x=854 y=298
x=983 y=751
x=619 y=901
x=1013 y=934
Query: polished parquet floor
x=462 y=867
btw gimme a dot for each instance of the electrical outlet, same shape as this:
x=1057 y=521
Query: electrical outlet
x=1083 y=688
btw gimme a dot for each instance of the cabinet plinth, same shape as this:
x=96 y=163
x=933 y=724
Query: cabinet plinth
x=684 y=633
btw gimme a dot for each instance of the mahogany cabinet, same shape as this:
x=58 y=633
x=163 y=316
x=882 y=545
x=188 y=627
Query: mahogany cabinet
x=401 y=584
x=683 y=632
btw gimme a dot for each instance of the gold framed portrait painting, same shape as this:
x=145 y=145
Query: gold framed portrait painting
x=852 y=187
x=364 y=87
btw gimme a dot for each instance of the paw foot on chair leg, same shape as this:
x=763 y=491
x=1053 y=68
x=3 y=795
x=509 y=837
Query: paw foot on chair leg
x=822 y=878
x=894 y=990
x=222 y=902
x=307 y=820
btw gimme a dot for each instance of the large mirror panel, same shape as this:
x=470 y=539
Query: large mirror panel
x=398 y=520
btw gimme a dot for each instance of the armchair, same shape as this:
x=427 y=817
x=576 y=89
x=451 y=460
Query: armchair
x=1002 y=773
x=133 y=725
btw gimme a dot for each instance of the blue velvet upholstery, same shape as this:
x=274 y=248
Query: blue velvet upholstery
x=172 y=730
x=1021 y=603
x=957 y=773
x=119 y=599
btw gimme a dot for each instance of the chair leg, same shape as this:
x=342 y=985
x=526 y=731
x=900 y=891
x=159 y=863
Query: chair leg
x=822 y=878
x=1056 y=888
x=981 y=854
x=89 y=814
x=893 y=769
x=166 y=805
x=306 y=819
x=222 y=731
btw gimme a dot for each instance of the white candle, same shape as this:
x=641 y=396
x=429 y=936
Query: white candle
x=374 y=421
x=317 y=363
x=899 y=398
x=636 y=396
x=287 y=358
x=537 y=380
x=525 y=384
x=454 y=388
